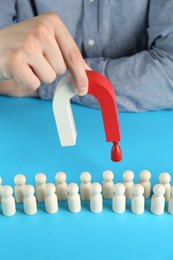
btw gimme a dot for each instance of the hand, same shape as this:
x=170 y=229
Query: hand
x=37 y=50
x=14 y=89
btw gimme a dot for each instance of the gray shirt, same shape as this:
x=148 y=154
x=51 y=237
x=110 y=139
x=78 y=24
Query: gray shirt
x=128 y=41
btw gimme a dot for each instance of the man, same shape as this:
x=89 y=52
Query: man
x=130 y=42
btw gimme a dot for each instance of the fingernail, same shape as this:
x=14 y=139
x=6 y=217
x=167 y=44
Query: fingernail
x=82 y=91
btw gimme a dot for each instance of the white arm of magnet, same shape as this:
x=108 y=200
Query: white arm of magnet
x=63 y=113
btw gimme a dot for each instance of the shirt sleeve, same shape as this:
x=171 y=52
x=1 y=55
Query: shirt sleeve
x=7 y=12
x=143 y=81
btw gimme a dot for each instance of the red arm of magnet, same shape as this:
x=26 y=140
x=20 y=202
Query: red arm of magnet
x=101 y=88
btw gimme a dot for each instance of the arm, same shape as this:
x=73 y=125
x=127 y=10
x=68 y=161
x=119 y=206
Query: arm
x=144 y=81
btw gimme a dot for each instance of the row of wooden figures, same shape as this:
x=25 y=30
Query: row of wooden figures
x=94 y=192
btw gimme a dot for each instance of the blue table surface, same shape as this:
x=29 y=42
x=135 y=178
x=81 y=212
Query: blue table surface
x=29 y=144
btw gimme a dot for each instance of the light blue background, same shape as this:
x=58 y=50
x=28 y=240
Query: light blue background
x=29 y=144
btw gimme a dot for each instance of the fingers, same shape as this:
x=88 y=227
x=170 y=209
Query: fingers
x=54 y=56
x=61 y=52
x=73 y=58
x=42 y=68
x=24 y=75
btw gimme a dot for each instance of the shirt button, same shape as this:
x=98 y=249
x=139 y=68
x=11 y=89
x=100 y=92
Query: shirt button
x=91 y=42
